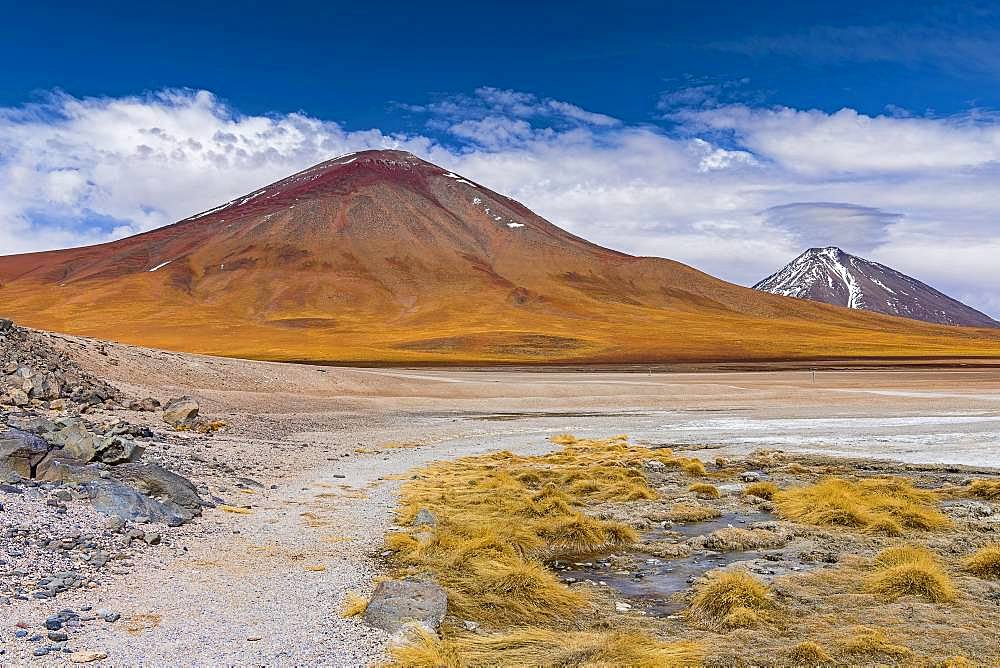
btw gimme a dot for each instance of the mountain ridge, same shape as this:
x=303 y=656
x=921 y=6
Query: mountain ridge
x=382 y=257
x=833 y=276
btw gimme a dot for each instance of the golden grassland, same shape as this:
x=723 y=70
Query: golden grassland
x=460 y=326
x=905 y=582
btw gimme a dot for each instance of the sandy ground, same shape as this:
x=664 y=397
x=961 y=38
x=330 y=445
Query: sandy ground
x=265 y=588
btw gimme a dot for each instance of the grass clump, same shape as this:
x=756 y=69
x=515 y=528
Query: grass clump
x=732 y=599
x=809 y=653
x=691 y=512
x=886 y=506
x=354 y=605
x=694 y=467
x=985 y=489
x=985 y=562
x=909 y=570
x=535 y=646
x=705 y=490
x=762 y=490
x=873 y=644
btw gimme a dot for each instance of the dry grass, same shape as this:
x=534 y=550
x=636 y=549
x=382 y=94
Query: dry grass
x=762 y=490
x=705 y=490
x=732 y=599
x=874 y=644
x=234 y=509
x=694 y=467
x=985 y=562
x=500 y=516
x=910 y=570
x=689 y=512
x=736 y=539
x=354 y=605
x=885 y=506
x=985 y=489
x=809 y=653
x=534 y=646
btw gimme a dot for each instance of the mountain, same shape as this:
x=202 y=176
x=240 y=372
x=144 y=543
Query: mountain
x=379 y=256
x=831 y=276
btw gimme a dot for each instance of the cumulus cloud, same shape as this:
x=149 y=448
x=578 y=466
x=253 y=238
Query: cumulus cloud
x=735 y=190
x=146 y=161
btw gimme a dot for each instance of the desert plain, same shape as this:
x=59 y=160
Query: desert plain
x=309 y=468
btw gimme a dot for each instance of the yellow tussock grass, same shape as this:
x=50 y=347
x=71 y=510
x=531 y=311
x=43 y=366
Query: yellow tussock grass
x=534 y=646
x=909 y=570
x=985 y=562
x=354 y=605
x=705 y=490
x=874 y=644
x=694 y=467
x=691 y=512
x=879 y=505
x=985 y=489
x=809 y=653
x=732 y=599
x=234 y=509
x=762 y=490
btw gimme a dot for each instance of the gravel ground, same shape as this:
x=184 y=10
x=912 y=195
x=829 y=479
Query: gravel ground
x=316 y=455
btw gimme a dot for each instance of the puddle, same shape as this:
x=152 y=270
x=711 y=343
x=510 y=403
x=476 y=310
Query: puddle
x=651 y=584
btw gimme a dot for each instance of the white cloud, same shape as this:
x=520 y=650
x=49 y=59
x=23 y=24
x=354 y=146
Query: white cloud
x=737 y=192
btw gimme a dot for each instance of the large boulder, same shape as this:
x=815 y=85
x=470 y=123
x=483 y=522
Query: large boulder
x=20 y=452
x=397 y=604
x=161 y=484
x=180 y=410
x=118 y=500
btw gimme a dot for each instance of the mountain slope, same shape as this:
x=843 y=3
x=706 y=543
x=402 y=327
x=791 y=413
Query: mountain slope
x=831 y=276
x=382 y=257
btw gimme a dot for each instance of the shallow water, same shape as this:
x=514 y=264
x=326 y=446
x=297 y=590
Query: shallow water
x=651 y=586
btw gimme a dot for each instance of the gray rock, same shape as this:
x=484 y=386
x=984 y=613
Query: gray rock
x=113 y=498
x=116 y=450
x=59 y=466
x=398 y=603
x=20 y=452
x=424 y=518
x=180 y=410
x=161 y=484
x=753 y=476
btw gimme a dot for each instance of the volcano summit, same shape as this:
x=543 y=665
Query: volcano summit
x=381 y=257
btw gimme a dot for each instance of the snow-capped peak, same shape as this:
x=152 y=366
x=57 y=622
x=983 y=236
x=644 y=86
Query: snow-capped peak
x=832 y=276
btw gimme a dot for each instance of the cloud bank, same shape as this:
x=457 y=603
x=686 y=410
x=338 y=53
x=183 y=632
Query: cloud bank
x=734 y=189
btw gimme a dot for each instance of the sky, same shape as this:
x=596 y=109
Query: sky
x=730 y=136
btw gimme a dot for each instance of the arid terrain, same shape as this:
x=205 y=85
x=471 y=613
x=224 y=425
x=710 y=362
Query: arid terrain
x=306 y=480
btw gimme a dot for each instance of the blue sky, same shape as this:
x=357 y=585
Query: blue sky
x=727 y=136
